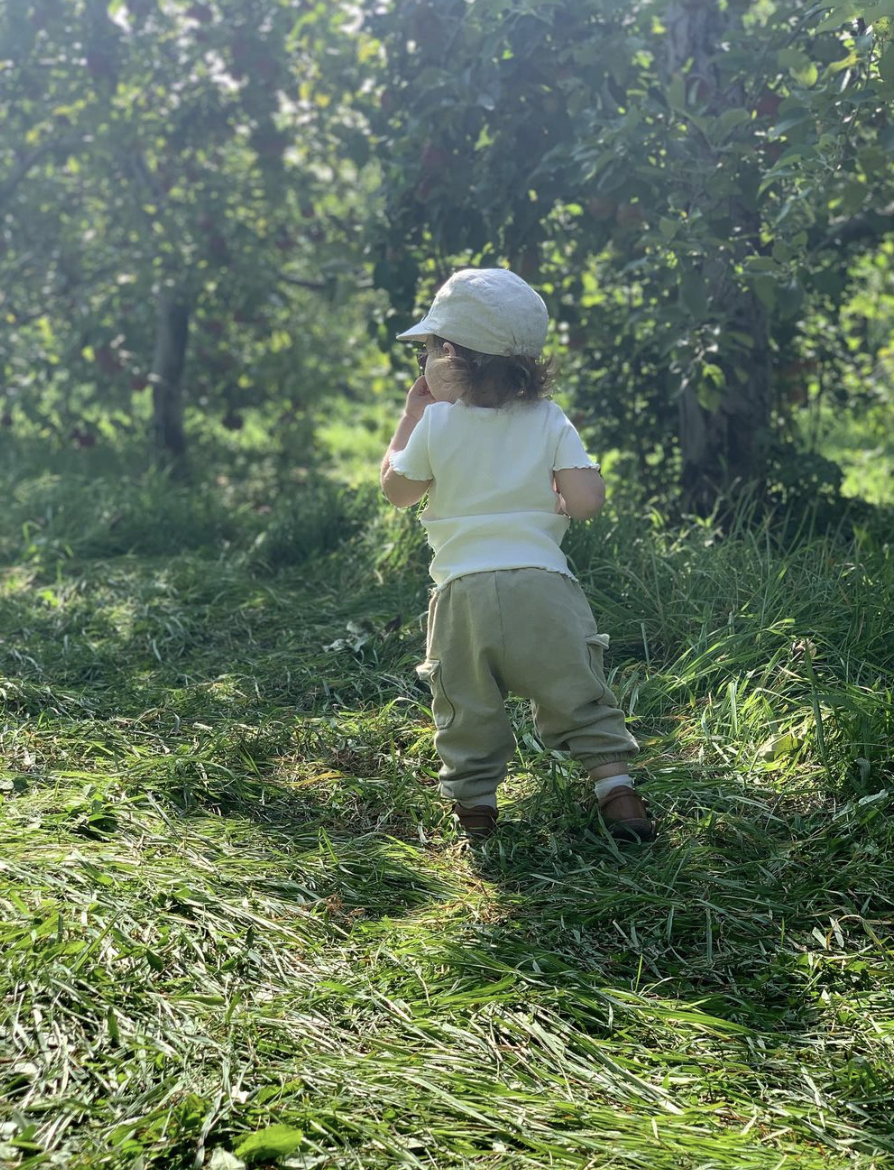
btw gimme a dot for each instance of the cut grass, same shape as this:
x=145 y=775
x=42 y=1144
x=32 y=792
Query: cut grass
x=232 y=901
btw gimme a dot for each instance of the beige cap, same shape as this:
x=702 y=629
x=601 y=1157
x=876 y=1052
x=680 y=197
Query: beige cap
x=489 y=310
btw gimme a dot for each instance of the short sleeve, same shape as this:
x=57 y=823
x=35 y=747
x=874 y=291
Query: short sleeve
x=414 y=462
x=570 y=451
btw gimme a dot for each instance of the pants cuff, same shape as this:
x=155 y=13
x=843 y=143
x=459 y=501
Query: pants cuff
x=598 y=761
x=469 y=792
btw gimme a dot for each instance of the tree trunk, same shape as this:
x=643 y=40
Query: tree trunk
x=167 y=374
x=720 y=447
x=730 y=444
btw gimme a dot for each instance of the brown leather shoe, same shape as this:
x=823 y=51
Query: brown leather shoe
x=626 y=815
x=478 y=822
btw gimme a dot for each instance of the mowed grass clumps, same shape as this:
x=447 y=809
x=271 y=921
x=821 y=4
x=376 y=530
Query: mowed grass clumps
x=238 y=929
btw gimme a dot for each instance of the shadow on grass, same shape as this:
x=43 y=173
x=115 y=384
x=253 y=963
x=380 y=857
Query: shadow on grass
x=750 y=919
x=350 y=846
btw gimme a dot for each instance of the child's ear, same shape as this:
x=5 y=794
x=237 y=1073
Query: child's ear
x=449 y=349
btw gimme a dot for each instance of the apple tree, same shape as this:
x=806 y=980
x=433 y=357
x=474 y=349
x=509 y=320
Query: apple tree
x=178 y=181
x=687 y=181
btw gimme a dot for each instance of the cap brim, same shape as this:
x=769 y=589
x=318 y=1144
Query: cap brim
x=423 y=329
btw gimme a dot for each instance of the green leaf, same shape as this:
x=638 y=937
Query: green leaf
x=97 y=874
x=873 y=160
x=156 y=962
x=694 y=293
x=761 y=264
x=850 y=198
x=886 y=66
x=794 y=117
x=847 y=10
x=276 y=1141
x=802 y=151
x=730 y=119
x=790 y=299
x=841 y=13
x=807 y=76
x=668 y=227
x=764 y=287
x=709 y=397
x=828 y=281
x=799 y=65
x=676 y=92
x=839 y=66
x=778 y=745
x=711 y=386
x=792 y=59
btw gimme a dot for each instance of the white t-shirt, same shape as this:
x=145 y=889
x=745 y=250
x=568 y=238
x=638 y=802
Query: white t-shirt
x=491 y=504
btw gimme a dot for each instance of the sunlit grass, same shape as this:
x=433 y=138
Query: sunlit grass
x=355 y=434
x=864 y=448
x=232 y=904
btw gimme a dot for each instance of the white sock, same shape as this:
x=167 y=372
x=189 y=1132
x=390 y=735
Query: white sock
x=489 y=801
x=603 y=787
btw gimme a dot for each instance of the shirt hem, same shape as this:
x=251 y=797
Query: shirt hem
x=406 y=475
x=439 y=585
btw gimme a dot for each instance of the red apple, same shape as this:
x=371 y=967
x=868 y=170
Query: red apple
x=600 y=208
x=768 y=104
x=200 y=12
x=629 y=215
x=107 y=360
x=434 y=159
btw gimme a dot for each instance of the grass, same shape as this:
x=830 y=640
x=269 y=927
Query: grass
x=864 y=448
x=238 y=930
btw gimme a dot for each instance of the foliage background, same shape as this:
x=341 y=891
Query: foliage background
x=245 y=199
x=236 y=927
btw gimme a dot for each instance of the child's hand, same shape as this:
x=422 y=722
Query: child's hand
x=418 y=398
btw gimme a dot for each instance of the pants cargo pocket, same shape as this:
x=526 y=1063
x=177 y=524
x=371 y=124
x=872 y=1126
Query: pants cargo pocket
x=597 y=644
x=443 y=711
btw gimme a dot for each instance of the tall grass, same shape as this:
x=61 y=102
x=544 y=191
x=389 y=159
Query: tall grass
x=63 y=516
x=238 y=930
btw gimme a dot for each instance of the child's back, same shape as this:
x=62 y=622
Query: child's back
x=504 y=469
x=492 y=502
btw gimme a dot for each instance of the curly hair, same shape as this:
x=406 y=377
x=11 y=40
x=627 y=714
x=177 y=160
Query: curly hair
x=492 y=380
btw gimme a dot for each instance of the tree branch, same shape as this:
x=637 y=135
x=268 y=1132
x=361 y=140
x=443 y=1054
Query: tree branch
x=314 y=285
x=873 y=225
x=318 y=285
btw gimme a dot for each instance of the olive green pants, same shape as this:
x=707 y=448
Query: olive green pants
x=531 y=632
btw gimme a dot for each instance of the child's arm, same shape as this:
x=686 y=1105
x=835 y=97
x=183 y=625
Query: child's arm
x=400 y=490
x=582 y=489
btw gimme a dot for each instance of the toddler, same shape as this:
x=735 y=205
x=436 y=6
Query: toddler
x=504 y=469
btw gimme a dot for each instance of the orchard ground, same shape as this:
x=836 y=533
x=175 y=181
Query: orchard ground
x=239 y=929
